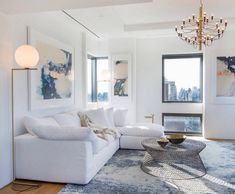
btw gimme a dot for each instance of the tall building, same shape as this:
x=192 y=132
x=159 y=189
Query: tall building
x=170 y=91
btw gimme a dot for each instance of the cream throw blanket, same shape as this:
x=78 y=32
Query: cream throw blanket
x=100 y=131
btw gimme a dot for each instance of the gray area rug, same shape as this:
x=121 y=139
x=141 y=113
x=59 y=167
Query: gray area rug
x=122 y=174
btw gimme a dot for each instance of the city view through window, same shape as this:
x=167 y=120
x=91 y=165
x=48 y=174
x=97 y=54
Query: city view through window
x=182 y=79
x=97 y=86
x=186 y=123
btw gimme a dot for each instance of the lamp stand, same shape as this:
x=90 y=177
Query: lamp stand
x=13 y=124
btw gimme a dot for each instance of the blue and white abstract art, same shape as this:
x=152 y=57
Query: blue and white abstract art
x=52 y=84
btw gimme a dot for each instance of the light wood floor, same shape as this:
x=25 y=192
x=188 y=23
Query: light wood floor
x=54 y=188
x=45 y=188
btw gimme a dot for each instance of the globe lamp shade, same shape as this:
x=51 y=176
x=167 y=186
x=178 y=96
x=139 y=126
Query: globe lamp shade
x=26 y=56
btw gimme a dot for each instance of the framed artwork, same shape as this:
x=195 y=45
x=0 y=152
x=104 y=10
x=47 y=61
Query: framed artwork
x=223 y=79
x=225 y=76
x=121 y=71
x=52 y=84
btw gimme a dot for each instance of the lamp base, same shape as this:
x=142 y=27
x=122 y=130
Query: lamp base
x=26 y=183
x=23 y=186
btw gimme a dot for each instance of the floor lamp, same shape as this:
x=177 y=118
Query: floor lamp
x=26 y=57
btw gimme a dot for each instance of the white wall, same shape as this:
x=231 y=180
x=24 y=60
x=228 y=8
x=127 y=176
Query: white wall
x=96 y=47
x=149 y=77
x=5 y=128
x=219 y=118
x=59 y=27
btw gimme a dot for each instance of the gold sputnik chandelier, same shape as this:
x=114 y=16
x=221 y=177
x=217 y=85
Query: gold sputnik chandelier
x=201 y=30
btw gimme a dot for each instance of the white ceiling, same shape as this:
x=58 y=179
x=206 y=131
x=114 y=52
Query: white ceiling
x=121 y=18
x=26 y=6
x=148 y=19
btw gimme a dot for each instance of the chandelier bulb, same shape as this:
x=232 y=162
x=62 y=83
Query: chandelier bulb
x=204 y=19
x=176 y=28
x=212 y=16
x=193 y=15
x=226 y=23
x=221 y=20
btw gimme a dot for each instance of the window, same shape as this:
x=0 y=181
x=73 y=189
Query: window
x=182 y=78
x=98 y=81
x=182 y=123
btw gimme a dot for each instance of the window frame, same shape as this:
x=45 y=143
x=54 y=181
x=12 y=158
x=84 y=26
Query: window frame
x=184 y=115
x=182 y=56
x=94 y=81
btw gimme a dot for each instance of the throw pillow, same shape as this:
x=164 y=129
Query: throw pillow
x=84 y=119
x=30 y=123
x=109 y=114
x=68 y=120
x=97 y=116
x=120 y=117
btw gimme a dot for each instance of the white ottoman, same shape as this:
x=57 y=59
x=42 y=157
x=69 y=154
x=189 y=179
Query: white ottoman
x=132 y=135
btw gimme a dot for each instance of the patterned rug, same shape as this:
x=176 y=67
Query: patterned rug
x=122 y=174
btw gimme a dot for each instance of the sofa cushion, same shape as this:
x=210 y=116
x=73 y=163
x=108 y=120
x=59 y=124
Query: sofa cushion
x=63 y=133
x=100 y=144
x=68 y=120
x=70 y=134
x=142 y=129
x=31 y=122
x=120 y=117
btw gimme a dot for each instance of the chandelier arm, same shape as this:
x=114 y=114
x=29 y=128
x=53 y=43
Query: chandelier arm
x=202 y=29
x=188 y=31
x=214 y=25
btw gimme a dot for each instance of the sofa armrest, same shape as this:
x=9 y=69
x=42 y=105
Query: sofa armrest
x=46 y=160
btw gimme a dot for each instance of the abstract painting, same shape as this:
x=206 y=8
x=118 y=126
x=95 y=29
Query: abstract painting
x=225 y=77
x=120 y=72
x=52 y=84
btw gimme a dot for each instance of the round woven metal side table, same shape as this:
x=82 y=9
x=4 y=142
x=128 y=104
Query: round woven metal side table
x=174 y=161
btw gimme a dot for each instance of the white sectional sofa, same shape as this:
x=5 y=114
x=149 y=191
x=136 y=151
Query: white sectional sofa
x=74 y=161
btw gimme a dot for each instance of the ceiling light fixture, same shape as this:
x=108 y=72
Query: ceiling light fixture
x=201 y=30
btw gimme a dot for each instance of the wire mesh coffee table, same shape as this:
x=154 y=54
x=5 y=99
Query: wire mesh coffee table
x=174 y=161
